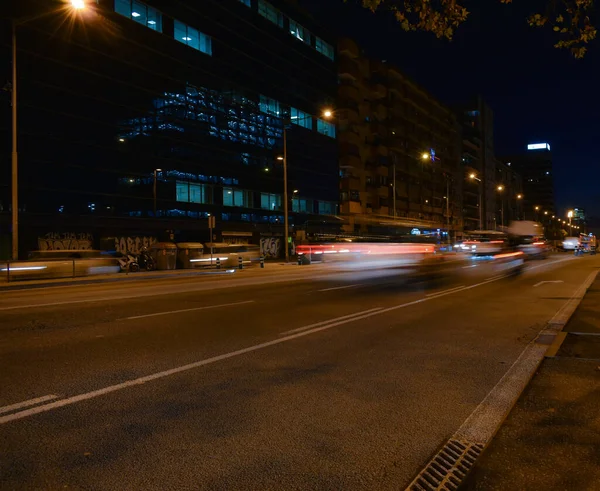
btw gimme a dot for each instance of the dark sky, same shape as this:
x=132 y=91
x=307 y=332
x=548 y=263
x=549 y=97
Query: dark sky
x=537 y=92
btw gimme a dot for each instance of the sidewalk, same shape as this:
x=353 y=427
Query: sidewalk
x=551 y=439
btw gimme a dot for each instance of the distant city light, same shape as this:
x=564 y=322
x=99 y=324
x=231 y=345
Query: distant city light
x=135 y=14
x=538 y=146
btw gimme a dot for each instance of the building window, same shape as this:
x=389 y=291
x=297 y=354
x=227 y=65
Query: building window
x=246 y=3
x=268 y=105
x=301 y=118
x=326 y=208
x=270 y=201
x=299 y=32
x=270 y=13
x=192 y=38
x=301 y=205
x=234 y=197
x=325 y=128
x=324 y=48
x=187 y=192
x=140 y=13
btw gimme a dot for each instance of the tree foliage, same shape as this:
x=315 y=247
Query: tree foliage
x=569 y=19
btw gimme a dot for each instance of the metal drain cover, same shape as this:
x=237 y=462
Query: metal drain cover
x=447 y=469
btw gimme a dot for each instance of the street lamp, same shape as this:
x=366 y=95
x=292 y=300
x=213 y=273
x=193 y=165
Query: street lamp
x=570 y=216
x=327 y=114
x=431 y=156
x=156 y=171
x=74 y=5
x=500 y=189
x=474 y=177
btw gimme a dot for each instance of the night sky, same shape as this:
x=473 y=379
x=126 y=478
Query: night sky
x=538 y=93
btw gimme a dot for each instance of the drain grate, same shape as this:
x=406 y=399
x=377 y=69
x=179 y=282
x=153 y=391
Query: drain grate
x=448 y=468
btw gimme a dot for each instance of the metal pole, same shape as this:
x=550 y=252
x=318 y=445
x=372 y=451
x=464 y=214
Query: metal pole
x=502 y=212
x=448 y=206
x=15 y=159
x=480 y=207
x=210 y=229
x=285 y=197
x=154 y=193
x=394 y=185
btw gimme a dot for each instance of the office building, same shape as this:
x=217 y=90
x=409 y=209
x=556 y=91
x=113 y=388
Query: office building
x=142 y=118
x=535 y=167
x=399 y=148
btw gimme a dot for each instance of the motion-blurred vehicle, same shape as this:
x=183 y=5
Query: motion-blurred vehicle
x=528 y=236
x=485 y=242
x=230 y=254
x=570 y=243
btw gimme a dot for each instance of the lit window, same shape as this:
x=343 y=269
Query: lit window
x=326 y=208
x=270 y=13
x=324 y=48
x=187 y=192
x=301 y=205
x=299 y=32
x=270 y=201
x=325 y=128
x=234 y=197
x=269 y=106
x=246 y=3
x=192 y=38
x=140 y=13
x=301 y=118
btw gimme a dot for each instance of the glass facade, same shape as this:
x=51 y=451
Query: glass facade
x=326 y=128
x=324 y=48
x=192 y=37
x=270 y=13
x=140 y=13
x=301 y=118
x=235 y=197
x=300 y=32
x=187 y=192
x=270 y=201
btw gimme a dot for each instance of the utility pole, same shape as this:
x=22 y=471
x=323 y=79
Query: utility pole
x=14 y=155
x=285 y=197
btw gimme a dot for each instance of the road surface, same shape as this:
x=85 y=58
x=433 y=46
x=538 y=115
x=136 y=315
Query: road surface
x=310 y=380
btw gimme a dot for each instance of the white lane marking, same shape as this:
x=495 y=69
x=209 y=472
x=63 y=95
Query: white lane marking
x=482 y=424
x=155 y=376
x=446 y=291
x=186 y=310
x=30 y=402
x=304 y=328
x=550 y=263
x=548 y=281
x=338 y=288
x=471 y=266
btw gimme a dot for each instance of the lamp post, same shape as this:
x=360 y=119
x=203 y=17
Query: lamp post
x=570 y=216
x=327 y=114
x=500 y=189
x=519 y=198
x=427 y=156
x=475 y=178
x=156 y=171
x=74 y=5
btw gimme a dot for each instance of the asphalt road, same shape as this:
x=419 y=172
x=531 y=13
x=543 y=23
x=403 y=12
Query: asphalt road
x=304 y=380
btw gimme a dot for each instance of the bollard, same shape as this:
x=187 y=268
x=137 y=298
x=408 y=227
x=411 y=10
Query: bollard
x=8 y=271
x=73 y=268
x=240 y=262
x=262 y=261
x=218 y=263
x=299 y=260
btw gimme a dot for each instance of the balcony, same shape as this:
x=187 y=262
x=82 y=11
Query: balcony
x=349 y=137
x=378 y=91
x=351 y=207
x=348 y=93
x=349 y=182
x=347 y=116
x=350 y=162
x=349 y=69
x=348 y=47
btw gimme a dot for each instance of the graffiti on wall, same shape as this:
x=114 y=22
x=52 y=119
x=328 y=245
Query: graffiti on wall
x=54 y=241
x=270 y=246
x=133 y=245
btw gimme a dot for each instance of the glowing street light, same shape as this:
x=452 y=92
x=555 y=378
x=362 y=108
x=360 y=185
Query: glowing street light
x=519 y=196
x=74 y=5
x=500 y=188
x=537 y=208
x=328 y=113
x=425 y=156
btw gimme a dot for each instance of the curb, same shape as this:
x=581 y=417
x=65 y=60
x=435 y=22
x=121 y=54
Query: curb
x=450 y=465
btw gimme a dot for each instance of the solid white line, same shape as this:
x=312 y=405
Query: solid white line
x=155 y=376
x=471 y=266
x=30 y=402
x=338 y=288
x=304 y=328
x=186 y=310
x=446 y=291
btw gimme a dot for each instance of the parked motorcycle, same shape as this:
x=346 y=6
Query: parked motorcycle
x=146 y=261
x=128 y=262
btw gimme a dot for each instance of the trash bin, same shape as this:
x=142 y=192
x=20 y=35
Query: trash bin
x=165 y=254
x=189 y=255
